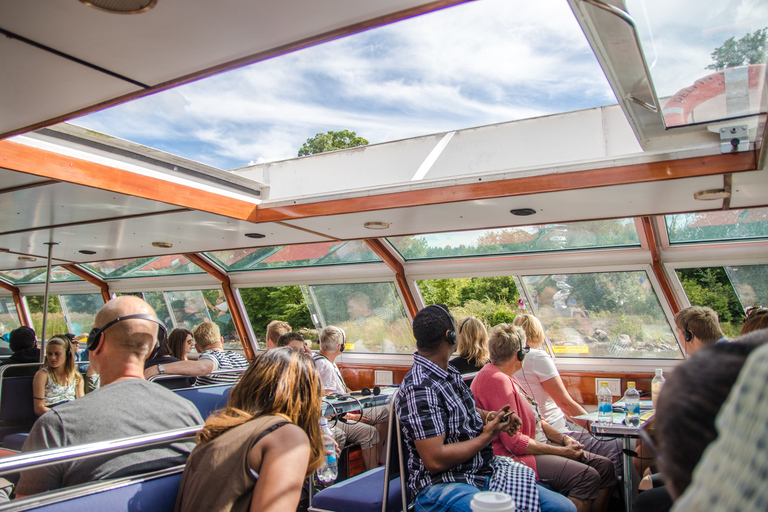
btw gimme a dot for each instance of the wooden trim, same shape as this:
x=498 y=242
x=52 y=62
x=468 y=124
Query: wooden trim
x=234 y=309
x=79 y=272
x=554 y=182
x=581 y=385
x=244 y=61
x=38 y=162
x=658 y=269
x=21 y=308
x=383 y=251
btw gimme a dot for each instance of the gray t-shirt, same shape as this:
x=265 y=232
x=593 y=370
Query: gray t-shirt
x=125 y=408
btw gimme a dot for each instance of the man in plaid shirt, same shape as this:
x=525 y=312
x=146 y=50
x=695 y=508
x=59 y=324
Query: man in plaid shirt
x=449 y=454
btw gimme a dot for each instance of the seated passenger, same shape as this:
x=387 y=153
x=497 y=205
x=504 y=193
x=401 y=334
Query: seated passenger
x=369 y=430
x=473 y=346
x=698 y=327
x=732 y=473
x=213 y=357
x=256 y=453
x=58 y=381
x=23 y=343
x=585 y=478
x=296 y=341
x=448 y=437
x=757 y=318
x=541 y=380
x=180 y=343
x=125 y=406
x=275 y=329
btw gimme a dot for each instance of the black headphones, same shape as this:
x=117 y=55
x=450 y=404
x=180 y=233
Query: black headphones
x=462 y=323
x=687 y=335
x=376 y=391
x=66 y=338
x=451 y=336
x=343 y=340
x=94 y=337
x=523 y=349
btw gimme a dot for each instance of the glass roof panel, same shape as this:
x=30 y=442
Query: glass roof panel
x=37 y=275
x=706 y=57
x=326 y=253
x=718 y=226
x=750 y=282
x=523 y=239
x=154 y=266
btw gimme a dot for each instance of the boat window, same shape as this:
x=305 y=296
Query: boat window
x=750 y=282
x=154 y=266
x=9 y=320
x=607 y=314
x=283 y=303
x=371 y=314
x=712 y=287
x=37 y=275
x=709 y=67
x=80 y=311
x=521 y=239
x=718 y=226
x=303 y=255
x=55 y=323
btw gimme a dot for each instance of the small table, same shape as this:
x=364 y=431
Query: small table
x=356 y=401
x=618 y=429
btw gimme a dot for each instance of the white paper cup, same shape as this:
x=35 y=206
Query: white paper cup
x=492 y=502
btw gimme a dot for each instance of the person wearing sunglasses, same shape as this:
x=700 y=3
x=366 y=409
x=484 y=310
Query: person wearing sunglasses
x=757 y=318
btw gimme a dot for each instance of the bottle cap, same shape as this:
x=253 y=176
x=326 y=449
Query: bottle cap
x=630 y=384
x=659 y=371
x=603 y=384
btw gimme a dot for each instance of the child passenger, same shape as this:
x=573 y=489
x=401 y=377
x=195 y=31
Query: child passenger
x=256 y=453
x=58 y=381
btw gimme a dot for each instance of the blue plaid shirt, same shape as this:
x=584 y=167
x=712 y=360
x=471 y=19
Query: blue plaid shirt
x=434 y=402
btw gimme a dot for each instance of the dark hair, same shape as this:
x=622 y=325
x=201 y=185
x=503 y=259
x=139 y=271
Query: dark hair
x=21 y=339
x=176 y=341
x=689 y=403
x=757 y=318
x=162 y=348
x=429 y=327
x=287 y=338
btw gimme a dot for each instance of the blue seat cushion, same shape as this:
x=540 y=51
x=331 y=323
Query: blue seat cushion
x=362 y=493
x=15 y=441
x=207 y=398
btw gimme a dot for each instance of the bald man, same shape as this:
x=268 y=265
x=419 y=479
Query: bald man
x=125 y=333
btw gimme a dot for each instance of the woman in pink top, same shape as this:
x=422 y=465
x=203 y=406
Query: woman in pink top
x=585 y=478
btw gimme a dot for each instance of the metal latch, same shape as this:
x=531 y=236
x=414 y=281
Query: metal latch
x=734 y=139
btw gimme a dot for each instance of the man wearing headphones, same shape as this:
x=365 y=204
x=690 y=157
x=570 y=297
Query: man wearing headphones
x=448 y=438
x=369 y=430
x=124 y=334
x=698 y=327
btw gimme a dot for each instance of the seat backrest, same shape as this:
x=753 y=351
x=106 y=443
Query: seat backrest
x=394 y=460
x=206 y=398
x=16 y=393
x=155 y=492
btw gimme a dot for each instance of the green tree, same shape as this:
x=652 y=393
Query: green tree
x=331 y=140
x=750 y=49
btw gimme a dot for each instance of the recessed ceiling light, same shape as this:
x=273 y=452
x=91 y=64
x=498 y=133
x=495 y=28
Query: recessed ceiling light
x=255 y=235
x=162 y=245
x=27 y=258
x=523 y=212
x=376 y=225
x=121 y=6
x=86 y=251
x=711 y=195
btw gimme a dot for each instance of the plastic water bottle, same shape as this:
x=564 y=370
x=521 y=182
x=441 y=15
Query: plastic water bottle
x=604 y=404
x=632 y=405
x=328 y=472
x=656 y=384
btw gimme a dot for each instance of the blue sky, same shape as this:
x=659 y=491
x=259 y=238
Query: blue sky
x=475 y=64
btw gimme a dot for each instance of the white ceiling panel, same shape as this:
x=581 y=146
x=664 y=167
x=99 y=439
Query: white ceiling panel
x=749 y=189
x=12 y=179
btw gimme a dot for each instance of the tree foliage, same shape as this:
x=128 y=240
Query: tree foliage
x=331 y=140
x=750 y=49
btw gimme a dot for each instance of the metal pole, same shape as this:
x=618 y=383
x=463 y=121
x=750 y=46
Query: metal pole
x=45 y=300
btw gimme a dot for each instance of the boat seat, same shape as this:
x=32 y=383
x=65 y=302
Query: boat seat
x=206 y=398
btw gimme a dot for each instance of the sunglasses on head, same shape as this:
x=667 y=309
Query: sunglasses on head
x=755 y=310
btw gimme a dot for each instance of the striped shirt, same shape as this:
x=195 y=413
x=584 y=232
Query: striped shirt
x=222 y=360
x=433 y=402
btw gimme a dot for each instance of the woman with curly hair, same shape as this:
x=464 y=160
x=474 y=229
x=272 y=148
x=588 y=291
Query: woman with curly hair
x=256 y=452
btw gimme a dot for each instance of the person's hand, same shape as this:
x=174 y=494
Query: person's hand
x=495 y=422
x=149 y=372
x=571 y=442
x=335 y=445
x=645 y=484
x=513 y=424
x=572 y=452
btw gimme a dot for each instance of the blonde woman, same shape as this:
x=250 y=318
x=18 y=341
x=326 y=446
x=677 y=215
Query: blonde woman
x=540 y=379
x=473 y=346
x=58 y=381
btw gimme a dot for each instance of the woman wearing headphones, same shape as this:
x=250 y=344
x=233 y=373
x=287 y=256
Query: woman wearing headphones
x=58 y=381
x=473 y=346
x=561 y=462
